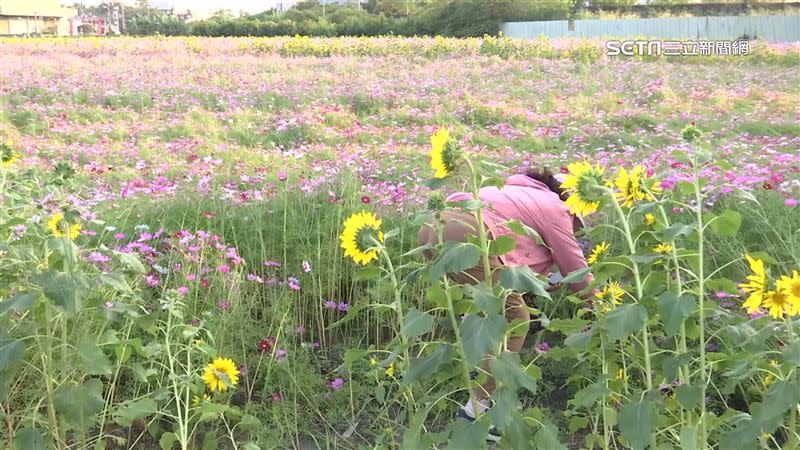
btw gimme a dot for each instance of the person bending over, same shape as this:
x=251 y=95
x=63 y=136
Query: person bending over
x=536 y=200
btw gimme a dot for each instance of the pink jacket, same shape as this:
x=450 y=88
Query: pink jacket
x=532 y=203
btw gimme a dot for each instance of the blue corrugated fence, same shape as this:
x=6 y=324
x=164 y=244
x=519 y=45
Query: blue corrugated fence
x=769 y=28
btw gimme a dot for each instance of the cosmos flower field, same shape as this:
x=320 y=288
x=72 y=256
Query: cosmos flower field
x=171 y=219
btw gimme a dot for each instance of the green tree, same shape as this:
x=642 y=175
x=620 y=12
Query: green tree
x=614 y=3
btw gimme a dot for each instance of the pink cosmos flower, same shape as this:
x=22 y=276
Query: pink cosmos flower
x=337 y=384
x=254 y=278
x=152 y=280
x=306 y=266
x=183 y=290
x=543 y=347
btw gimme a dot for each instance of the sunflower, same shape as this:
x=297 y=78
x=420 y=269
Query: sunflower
x=7 y=154
x=584 y=186
x=632 y=187
x=663 y=248
x=778 y=302
x=221 y=374
x=649 y=219
x=358 y=228
x=755 y=287
x=792 y=287
x=58 y=226
x=690 y=133
x=198 y=400
x=612 y=292
x=598 y=251
x=443 y=153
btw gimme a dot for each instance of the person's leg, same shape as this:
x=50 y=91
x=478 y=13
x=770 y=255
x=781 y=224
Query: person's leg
x=515 y=309
x=458 y=226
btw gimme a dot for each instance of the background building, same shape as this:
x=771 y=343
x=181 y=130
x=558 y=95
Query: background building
x=34 y=17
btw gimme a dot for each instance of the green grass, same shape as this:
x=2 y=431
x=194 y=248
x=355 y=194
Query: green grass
x=763 y=128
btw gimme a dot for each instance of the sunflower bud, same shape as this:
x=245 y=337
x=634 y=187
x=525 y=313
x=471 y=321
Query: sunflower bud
x=691 y=133
x=436 y=201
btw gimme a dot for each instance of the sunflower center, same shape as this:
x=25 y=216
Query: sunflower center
x=795 y=289
x=779 y=299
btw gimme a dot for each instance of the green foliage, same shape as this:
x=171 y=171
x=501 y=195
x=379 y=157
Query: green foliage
x=455 y=257
x=156 y=22
x=481 y=335
x=637 y=422
x=416 y=323
x=674 y=310
x=624 y=321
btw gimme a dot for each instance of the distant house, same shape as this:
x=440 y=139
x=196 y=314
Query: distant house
x=34 y=18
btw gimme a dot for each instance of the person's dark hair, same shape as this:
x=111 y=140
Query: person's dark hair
x=546 y=176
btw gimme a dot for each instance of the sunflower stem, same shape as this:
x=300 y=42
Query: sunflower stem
x=482 y=231
x=182 y=433
x=639 y=294
x=398 y=301
x=701 y=301
x=685 y=374
x=465 y=368
x=639 y=291
x=604 y=412
x=793 y=438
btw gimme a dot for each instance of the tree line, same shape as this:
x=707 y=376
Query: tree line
x=452 y=18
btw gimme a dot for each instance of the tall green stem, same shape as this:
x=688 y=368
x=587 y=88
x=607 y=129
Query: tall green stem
x=465 y=368
x=701 y=298
x=482 y=232
x=183 y=428
x=639 y=292
x=285 y=216
x=48 y=370
x=606 y=422
x=793 y=439
x=398 y=306
x=685 y=374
